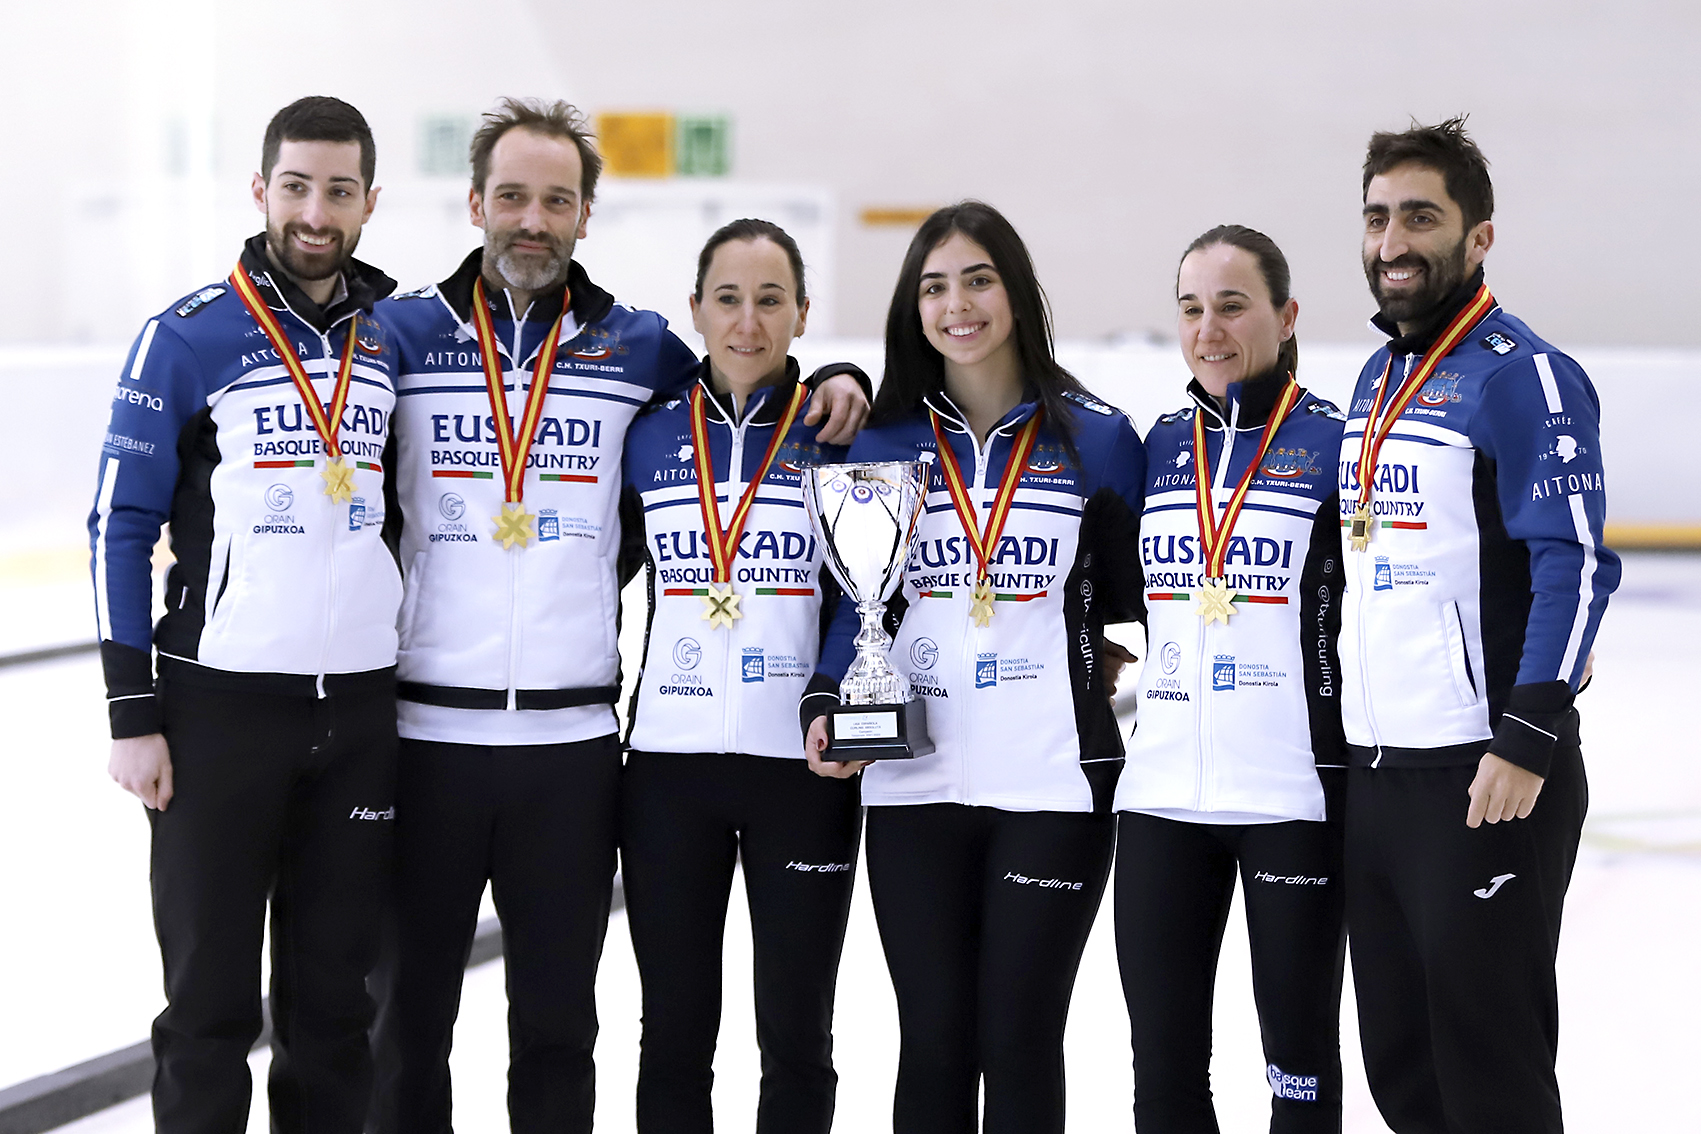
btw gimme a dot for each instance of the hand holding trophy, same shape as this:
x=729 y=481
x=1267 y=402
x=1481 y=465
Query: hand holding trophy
x=866 y=516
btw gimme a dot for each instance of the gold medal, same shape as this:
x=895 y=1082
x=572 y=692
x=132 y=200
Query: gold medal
x=514 y=525
x=1358 y=529
x=1216 y=602
x=720 y=606
x=339 y=480
x=985 y=544
x=980 y=603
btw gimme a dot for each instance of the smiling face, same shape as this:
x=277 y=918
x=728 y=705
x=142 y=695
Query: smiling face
x=965 y=311
x=532 y=210
x=1229 y=328
x=1416 y=249
x=315 y=204
x=749 y=313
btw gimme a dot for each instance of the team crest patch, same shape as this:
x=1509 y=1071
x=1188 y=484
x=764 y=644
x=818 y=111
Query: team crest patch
x=1499 y=343
x=1439 y=390
x=1044 y=463
x=199 y=300
x=366 y=336
x=1288 y=464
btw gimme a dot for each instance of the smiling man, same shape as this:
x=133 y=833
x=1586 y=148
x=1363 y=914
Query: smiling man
x=1472 y=500
x=252 y=416
x=519 y=378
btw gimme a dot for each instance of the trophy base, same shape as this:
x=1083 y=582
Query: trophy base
x=878 y=732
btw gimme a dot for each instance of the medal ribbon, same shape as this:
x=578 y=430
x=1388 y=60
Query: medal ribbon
x=324 y=424
x=985 y=545
x=513 y=445
x=723 y=542
x=1212 y=535
x=1370 y=448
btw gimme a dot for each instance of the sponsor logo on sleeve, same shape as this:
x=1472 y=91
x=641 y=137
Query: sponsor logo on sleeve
x=199 y=300
x=1499 y=343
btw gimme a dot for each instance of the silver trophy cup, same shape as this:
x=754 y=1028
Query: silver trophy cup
x=866 y=517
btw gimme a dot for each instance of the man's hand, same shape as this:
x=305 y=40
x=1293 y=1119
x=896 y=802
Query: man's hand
x=1115 y=659
x=838 y=400
x=816 y=743
x=1501 y=790
x=142 y=767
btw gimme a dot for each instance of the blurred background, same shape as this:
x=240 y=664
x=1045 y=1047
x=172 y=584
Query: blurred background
x=1110 y=133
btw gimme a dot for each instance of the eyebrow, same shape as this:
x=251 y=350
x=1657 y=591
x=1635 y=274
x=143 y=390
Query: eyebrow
x=759 y=287
x=964 y=272
x=1220 y=294
x=563 y=190
x=1410 y=205
x=309 y=176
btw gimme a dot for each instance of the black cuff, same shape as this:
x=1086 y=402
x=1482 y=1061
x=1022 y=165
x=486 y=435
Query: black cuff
x=833 y=370
x=1531 y=725
x=819 y=695
x=134 y=716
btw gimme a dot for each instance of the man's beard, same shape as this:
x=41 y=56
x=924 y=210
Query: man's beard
x=310 y=265
x=528 y=272
x=1441 y=277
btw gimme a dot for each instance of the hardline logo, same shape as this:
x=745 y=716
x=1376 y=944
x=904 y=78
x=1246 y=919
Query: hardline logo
x=1292 y=879
x=369 y=815
x=819 y=867
x=1042 y=883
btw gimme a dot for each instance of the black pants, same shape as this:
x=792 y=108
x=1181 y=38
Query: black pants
x=289 y=798
x=685 y=821
x=1454 y=936
x=538 y=822
x=983 y=915
x=1174 y=886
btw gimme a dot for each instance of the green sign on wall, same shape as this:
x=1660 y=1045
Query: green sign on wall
x=704 y=147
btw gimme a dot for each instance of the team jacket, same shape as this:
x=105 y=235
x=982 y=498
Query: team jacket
x=1017 y=709
x=1470 y=616
x=1233 y=719
x=275 y=588
x=726 y=690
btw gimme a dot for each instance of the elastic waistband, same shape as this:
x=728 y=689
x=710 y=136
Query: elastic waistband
x=371 y=682
x=462 y=697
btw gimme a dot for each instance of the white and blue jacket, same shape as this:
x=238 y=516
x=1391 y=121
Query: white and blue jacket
x=1468 y=620
x=275 y=588
x=1017 y=709
x=726 y=690
x=1235 y=719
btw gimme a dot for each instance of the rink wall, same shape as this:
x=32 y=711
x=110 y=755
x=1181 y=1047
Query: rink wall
x=57 y=406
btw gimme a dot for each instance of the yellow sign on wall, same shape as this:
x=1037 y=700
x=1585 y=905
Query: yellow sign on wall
x=636 y=145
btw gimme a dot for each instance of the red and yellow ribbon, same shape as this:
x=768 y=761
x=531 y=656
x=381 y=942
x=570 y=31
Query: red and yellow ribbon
x=513 y=444
x=324 y=423
x=1378 y=425
x=985 y=543
x=1214 y=536
x=723 y=542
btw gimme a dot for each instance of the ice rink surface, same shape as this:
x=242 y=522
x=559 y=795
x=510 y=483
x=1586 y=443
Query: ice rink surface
x=81 y=969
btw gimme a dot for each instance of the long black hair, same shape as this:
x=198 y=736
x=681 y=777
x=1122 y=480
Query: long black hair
x=1272 y=265
x=915 y=368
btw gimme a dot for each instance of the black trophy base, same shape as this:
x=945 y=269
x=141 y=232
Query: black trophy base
x=878 y=732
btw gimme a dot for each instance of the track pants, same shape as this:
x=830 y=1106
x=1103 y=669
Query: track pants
x=289 y=798
x=686 y=819
x=1174 y=885
x=983 y=915
x=1454 y=935
x=538 y=822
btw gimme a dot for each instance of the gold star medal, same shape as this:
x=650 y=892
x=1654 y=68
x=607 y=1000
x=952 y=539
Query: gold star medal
x=720 y=606
x=339 y=480
x=1216 y=601
x=1358 y=528
x=980 y=603
x=514 y=525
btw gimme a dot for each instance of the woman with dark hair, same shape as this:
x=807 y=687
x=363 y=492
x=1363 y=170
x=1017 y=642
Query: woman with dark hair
x=737 y=604
x=1236 y=763
x=987 y=858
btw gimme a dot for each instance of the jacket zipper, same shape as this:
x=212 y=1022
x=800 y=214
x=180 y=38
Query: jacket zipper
x=1363 y=657
x=1205 y=720
x=733 y=676
x=514 y=625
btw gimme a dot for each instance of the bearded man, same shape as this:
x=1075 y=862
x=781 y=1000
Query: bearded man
x=519 y=377
x=1472 y=500
x=253 y=415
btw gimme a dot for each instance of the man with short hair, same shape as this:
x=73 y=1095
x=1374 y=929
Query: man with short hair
x=518 y=379
x=252 y=416
x=1472 y=502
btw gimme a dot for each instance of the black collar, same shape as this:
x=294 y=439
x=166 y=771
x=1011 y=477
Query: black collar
x=1257 y=397
x=365 y=286
x=767 y=411
x=590 y=302
x=1419 y=340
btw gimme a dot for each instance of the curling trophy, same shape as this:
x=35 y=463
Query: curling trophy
x=866 y=517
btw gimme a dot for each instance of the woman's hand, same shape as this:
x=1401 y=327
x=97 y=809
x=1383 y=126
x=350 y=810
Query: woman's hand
x=816 y=743
x=1115 y=659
